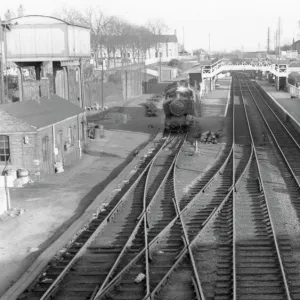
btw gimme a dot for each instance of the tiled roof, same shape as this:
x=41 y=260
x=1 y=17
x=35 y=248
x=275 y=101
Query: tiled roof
x=44 y=113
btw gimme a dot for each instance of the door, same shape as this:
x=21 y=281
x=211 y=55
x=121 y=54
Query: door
x=46 y=155
x=61 y=147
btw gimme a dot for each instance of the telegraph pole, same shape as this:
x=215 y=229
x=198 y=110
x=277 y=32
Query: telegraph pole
x=279 y=32
x=2 y=94
x=102 y=79
x=268 y=40
x=209 y=43
x=183 y=38
x=275 y=43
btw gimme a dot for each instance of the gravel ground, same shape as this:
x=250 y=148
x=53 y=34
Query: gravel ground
x=54 y=204
x=179 y=286
x=205 y=253
x=192 y=165
x=283 y=212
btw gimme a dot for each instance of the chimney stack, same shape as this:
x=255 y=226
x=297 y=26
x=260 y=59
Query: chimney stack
x=7 y=15
x=20 y=11
x=175 y=33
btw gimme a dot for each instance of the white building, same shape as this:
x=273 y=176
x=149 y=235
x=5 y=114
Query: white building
x=116 y=47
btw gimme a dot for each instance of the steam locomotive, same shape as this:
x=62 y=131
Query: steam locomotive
x=179 y=107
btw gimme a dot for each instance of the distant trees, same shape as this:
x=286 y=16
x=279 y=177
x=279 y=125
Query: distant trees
x=114 y=36
x=156 y=27
x=286 y=47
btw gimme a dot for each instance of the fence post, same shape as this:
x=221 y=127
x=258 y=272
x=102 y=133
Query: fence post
x=7 y=193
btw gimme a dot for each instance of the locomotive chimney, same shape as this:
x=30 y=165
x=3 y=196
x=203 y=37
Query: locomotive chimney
x=21 y=11
x=7 y=15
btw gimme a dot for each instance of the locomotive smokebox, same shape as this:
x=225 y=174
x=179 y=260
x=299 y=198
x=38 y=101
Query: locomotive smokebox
x=177 y=107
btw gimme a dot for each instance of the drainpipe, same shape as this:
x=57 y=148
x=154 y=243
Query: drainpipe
x=54 y=141
x=78 y=134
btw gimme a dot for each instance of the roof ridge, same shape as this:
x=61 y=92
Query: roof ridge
x=15 y=118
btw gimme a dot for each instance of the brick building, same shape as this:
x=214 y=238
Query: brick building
x=35 y=134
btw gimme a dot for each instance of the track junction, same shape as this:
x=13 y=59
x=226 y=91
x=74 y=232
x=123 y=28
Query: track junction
x=149 y=243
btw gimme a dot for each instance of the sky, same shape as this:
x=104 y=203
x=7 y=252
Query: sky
x=231 y=24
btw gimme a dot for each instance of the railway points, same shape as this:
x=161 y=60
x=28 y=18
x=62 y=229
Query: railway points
x=213 y=240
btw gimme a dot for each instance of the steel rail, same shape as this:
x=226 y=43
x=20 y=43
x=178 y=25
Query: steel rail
x=233 y=208
x=272 y=134
x=166 y=229
x=198 y=286
x=147 y=256
x=97 y=231
x=174 y=220
x=203 y=190
x=266 y=198
x=205 y=224
x=173 y=167
x=141 y=218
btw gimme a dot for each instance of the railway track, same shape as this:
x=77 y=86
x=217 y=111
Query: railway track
x=259 y=271
x=165 y=248
x=172 y=243
x=76 y=276
x=285 y=141
x=284 y=240
x=247 y=251
x=163 y=238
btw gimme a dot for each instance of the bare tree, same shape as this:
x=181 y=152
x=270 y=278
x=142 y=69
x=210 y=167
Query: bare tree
x=71 y=16
x=92 y=18
x=114 y=35
x=157 y=26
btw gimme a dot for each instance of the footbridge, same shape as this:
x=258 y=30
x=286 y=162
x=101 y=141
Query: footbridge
x=279 y=69
x=276 y=70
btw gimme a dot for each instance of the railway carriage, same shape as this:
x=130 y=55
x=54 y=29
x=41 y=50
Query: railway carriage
x=179 y=107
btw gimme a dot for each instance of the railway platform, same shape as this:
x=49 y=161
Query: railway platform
x=291 y=106
x=215 y=103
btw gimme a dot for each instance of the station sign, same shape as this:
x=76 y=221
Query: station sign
x=69 y=63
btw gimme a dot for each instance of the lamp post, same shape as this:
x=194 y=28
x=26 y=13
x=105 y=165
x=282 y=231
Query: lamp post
x=102 y=79
x=160 y=53
x=2 y=96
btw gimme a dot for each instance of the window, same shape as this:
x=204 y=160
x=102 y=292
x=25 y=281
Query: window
x=4 y=148
x=74 y=134
x=70 y=136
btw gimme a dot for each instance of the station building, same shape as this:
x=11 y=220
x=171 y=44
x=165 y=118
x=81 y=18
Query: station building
x=36 y=134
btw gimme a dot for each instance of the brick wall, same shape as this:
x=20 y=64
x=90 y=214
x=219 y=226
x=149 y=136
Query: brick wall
x=21 y=155
x=65 y=154
x=31 y=90
x=24 y=155
x=45 y=87
x=10 y=124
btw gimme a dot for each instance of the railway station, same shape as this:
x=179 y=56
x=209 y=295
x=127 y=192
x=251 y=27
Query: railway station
x=133 y=168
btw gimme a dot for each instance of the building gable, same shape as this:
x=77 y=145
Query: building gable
x=10 y=124
x=43 y=113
